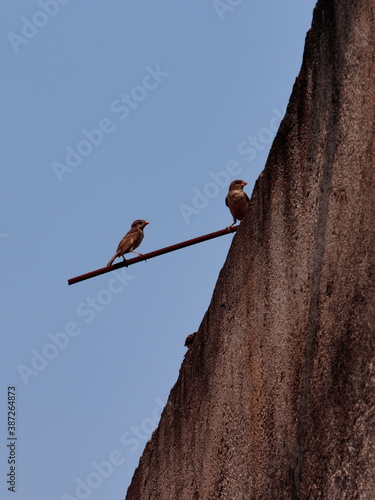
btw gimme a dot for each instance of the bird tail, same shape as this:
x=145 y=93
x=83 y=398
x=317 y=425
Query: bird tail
x=111 y=261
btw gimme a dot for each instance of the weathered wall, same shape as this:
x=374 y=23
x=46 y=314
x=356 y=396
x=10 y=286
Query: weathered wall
x=276 y=397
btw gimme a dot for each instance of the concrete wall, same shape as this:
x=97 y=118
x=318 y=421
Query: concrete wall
x=276 y=397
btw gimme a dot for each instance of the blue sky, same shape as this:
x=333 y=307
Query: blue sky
x=113 y=112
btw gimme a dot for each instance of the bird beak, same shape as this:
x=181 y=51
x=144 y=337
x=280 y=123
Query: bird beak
x=147 y=222
x=244 y=183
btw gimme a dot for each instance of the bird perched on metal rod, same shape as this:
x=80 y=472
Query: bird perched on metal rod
x=237 y=200
x=131 y=240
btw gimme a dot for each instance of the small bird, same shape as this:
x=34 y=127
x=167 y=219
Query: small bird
x=190 y=339
x=237 y=200
x=131 y=240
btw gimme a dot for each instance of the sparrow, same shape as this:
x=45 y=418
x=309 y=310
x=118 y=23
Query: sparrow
x=190 y=339
x=237 y=200
x=131 y=240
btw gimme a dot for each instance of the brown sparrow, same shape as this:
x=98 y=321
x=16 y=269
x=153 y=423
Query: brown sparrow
x=190 y=339
x=237 y=200
x=131 y=240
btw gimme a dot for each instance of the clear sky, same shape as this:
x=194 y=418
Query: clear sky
x=110 y=112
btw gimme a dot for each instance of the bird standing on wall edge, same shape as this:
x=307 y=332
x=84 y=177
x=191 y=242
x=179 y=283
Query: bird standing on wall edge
x=190 y=339
x=237 y=200
x=131 y=240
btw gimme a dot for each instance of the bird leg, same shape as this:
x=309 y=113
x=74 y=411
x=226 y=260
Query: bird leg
x=229 y=227
x=140 y=254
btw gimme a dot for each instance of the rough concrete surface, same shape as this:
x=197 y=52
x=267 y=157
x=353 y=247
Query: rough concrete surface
x=276 y=397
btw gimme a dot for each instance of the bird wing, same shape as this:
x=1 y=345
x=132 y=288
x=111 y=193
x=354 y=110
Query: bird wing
x=130 y=241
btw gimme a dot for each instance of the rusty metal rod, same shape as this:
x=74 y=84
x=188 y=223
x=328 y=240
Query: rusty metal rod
x=151 y=255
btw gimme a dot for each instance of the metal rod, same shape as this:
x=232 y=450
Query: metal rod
x=151 y=255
